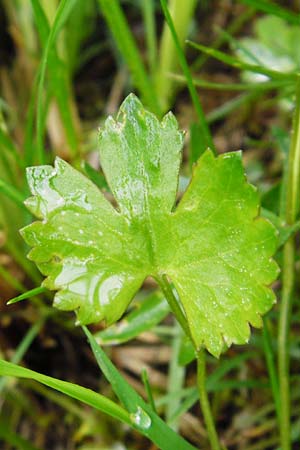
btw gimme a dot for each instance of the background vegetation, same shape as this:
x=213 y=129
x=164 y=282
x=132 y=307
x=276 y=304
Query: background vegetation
x=64 y=66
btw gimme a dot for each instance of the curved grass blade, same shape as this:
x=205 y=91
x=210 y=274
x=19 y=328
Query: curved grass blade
x=275 y=9
x=159 y=433
x=238 y=64
x=80 y=393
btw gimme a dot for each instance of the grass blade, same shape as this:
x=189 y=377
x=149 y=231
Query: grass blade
x=275 y=9
x=168 y=52
x=207 y=139
x=63 y=10
x=238 y=64
x=263 y=86
x=80 y=393
x=120 y=30
x=148 y=8
x=158 y=432
x=148 y=389
x=28 y=294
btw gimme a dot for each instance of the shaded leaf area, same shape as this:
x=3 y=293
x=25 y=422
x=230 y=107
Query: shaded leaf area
x=212 y=246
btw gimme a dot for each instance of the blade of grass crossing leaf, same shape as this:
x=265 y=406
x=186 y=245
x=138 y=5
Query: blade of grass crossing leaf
x=97 y=177
x=28 y=294
x=238 y=64
x=275 y=9
x=207 y=139
x=264 y=86
x=64 y=9
x=120 y=30
x=152 y=311
x=159 y=433
x=80 y=393
x=287 y=232
x=195 y=143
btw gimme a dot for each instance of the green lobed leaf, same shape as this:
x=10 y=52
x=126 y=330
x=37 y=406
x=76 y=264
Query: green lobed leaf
x=212 y=245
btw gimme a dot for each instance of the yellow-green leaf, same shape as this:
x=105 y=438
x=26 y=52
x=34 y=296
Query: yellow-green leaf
x=212 y=246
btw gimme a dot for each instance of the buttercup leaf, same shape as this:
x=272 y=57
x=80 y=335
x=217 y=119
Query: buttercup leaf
x=212 y=246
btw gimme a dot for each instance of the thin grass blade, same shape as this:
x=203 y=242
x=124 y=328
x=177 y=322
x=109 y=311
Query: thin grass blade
x=125 y=42
x=158 y=431
x=207 y=138
x=80 y=393
x=26 y=295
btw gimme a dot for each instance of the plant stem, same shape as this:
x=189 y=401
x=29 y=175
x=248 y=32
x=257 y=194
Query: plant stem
x=174 y=304
x=269 y=356
x=201 y=369
x=288 y=275
x=204 y=402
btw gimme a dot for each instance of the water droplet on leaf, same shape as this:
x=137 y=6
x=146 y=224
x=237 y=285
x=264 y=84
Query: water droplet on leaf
x=141 y=419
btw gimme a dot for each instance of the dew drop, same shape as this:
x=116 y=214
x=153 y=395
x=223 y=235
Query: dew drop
x=141 y=419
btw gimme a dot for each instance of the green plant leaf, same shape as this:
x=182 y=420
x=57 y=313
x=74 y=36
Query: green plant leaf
x=212 y=246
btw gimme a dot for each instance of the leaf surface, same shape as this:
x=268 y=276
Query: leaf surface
x=212 y=246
